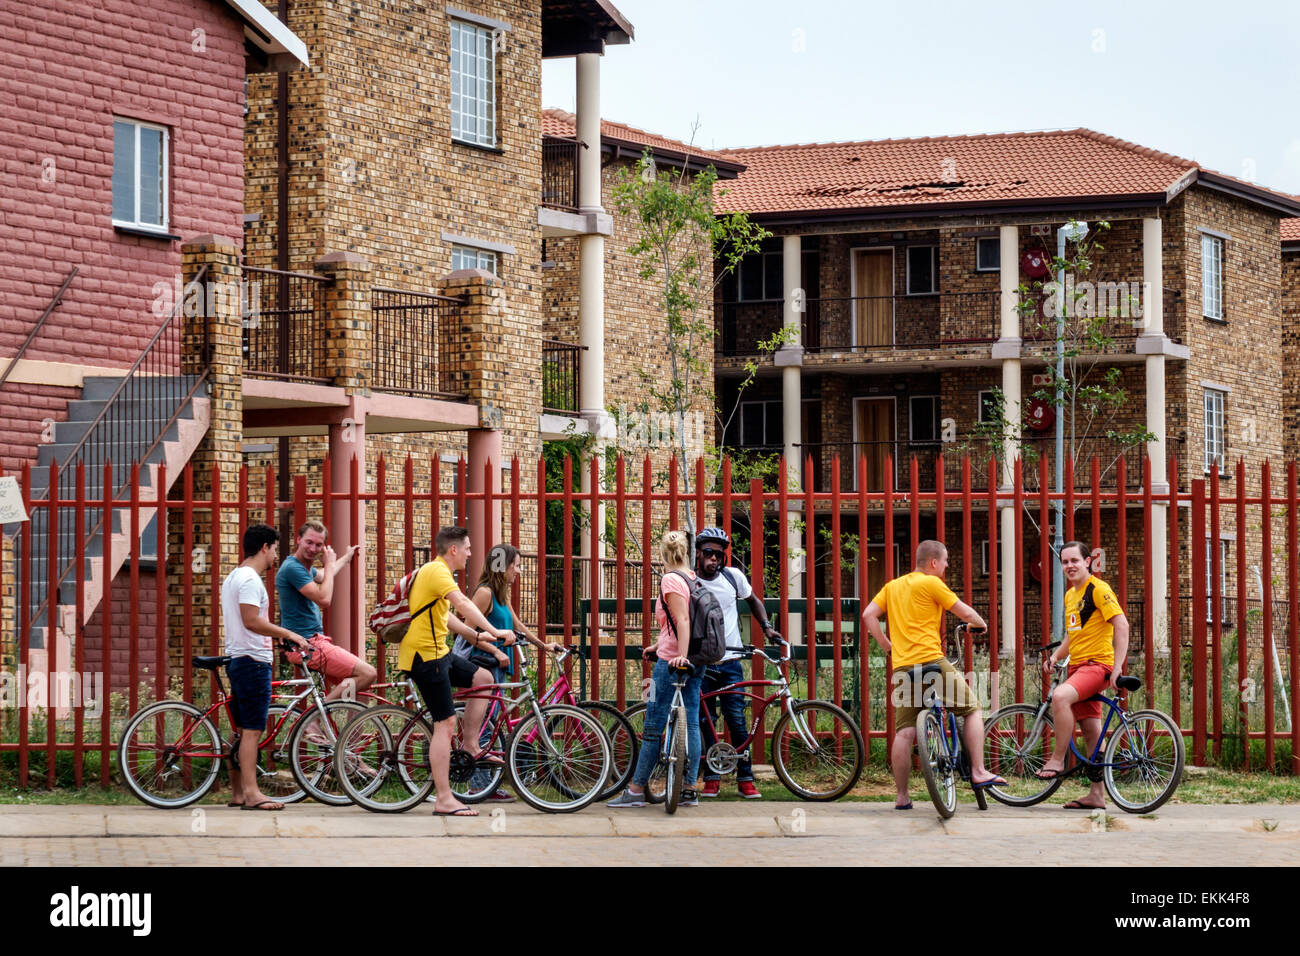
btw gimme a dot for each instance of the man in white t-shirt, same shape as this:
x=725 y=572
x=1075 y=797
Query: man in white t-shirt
x=730 y=587
x=249 y=636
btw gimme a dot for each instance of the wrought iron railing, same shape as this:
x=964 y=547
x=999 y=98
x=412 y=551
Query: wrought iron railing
x=561 y=376
x=560 y=173
x=417 y=347
x=284 y=325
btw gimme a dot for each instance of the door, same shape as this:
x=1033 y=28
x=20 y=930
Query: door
x=873 y=304
x=876 y=437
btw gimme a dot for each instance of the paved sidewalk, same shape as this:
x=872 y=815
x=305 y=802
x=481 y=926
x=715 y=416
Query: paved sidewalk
x=747 y=833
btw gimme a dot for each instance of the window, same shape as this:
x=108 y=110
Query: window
x=1216 y=428
x=988 y=255
x=988 y=410
x=923 y=418
x=1212 y=277
x=1209 y=579
x=139 y=175
x=473 y=85
x=467 y=257
x=922 y=270
x=761 y=424
x=760 y=276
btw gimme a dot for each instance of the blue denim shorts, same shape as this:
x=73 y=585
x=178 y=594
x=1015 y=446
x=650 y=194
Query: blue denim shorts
x=250 y=692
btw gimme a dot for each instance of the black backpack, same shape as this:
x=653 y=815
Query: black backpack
x=708 y=634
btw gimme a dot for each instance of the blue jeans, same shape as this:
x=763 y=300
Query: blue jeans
x=656 y=718
x=733 y=711
x=480 y=778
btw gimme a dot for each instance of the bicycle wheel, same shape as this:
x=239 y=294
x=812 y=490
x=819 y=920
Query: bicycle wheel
x=819 y=755
x=170 y=754
x=274 y=768
x=937 y=764
x=1017 y=742
x=560 y=763
x=382 y=759
x=656 y=788
x=1144 y=761
x=475 y=784
x=676 y=774
x=624 y=744
x=311 y=751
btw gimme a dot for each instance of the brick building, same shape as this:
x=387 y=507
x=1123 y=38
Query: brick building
x=910 y=253
x=124 y=136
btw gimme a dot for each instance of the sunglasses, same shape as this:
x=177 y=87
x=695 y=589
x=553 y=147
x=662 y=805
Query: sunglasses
x=712 y=552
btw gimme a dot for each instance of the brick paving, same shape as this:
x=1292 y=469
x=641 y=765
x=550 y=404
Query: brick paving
x=720 y=834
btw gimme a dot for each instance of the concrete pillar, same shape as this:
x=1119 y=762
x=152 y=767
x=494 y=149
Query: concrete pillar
x=1153 y=324
x=212 y=339
x=484 y=523
x=1009 y=243
x=347 y=441
x=792 y=403
x=591 y=249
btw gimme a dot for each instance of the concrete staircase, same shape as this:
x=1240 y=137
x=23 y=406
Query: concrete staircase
x=109 y=549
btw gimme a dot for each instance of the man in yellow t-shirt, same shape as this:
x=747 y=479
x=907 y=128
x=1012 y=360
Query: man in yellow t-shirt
x=1096 y=640
x=425 y=654
x=914 y=606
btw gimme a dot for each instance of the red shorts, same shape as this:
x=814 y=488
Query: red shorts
x=1089 y=678
x=334 y=662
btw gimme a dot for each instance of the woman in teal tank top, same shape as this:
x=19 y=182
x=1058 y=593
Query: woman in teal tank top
x=492 y=597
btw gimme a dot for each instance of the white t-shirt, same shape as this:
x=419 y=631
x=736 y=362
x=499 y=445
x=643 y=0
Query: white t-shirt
x=728 y=597
x=244 y=586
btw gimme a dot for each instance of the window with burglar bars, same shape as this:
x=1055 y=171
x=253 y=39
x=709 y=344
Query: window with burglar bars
x=1216 y=429
x=473 y=85
x=1212 y=277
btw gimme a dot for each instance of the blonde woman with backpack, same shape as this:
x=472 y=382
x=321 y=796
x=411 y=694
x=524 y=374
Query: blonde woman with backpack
x=670 y=650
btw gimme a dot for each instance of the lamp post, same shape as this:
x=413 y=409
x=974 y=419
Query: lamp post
x=1072 y=231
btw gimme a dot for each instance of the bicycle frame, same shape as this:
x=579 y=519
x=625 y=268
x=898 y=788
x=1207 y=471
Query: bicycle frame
x=783 y=694
x=310 y=689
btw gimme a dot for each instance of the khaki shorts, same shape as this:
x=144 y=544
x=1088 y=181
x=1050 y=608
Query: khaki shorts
x=909 y=696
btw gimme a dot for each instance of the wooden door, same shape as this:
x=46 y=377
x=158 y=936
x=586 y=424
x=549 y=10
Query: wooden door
x=873 y=306
x=876 y=433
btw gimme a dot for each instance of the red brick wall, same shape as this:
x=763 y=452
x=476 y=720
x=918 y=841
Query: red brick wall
x=120 y=646
x=73 y=67
x=26 y=409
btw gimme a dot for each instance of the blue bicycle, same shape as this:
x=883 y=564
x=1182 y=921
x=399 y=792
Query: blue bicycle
x=939 y=746
x=1140 y=760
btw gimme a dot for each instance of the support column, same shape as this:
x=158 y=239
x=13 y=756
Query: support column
x=1009 y=245
x=484 y=522
x=348 y=354
x=789 y=358
x=212 y=339
x=1153 y=324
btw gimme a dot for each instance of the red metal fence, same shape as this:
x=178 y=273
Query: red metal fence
x=1217 y=677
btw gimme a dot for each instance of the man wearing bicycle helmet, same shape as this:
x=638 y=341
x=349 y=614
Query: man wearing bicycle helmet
x=1096 y=641
x=730 y=587
x=914 y=605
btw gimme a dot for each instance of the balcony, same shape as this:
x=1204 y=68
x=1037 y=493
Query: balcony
x=559 y=214
x=416 y=347
x=561 y=377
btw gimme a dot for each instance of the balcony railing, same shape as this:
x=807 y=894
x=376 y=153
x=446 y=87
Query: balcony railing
x=560 y=173
x=561 y=377
x=416 y=347
x=284 y=325
x=868 y=323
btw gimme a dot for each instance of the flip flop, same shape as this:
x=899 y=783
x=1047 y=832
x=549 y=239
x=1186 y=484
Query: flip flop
x=268 y=805
x=1076 y=805
x=906 y=806
x=1049 y=774
x=458 y=812
x=232 y=803
x=991 y=782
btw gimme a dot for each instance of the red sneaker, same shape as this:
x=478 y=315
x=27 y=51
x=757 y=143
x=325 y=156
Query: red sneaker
x=710 y=788
x=749 y=791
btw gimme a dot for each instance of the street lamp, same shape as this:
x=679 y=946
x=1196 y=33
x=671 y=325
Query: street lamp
x=1072 y=231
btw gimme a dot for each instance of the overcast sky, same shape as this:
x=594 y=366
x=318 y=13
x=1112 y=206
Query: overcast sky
x=1218 y=82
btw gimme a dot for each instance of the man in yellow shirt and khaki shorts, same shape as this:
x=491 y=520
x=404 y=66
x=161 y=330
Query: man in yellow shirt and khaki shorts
x=1096 y=637
x=914 y=605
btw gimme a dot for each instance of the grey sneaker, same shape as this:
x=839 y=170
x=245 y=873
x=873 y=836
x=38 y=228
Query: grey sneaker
x=627 y=799
x=690 y=798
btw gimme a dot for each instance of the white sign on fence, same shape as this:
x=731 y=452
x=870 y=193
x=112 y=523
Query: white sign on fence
x=11 y=501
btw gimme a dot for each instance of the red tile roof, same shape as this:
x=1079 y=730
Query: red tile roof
x=559 y=123
x=1291 y=230
x=953 y=171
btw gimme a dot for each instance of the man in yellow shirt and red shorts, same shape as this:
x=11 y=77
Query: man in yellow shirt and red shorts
x=914 y=605
x=1096 y=641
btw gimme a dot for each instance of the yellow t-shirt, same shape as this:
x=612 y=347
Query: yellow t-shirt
x=1093 y=639
x=427 y=634
x=914 y=605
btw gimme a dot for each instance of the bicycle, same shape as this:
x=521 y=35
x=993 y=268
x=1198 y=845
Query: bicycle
x=557 y=756
x=668 y=777
x=1140 y=762
x=171 y=751
x=817 y=748
x=940 y=747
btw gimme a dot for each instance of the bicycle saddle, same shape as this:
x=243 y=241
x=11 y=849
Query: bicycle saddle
x=1129 y=682
x=922 y=669
x=210 y=663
